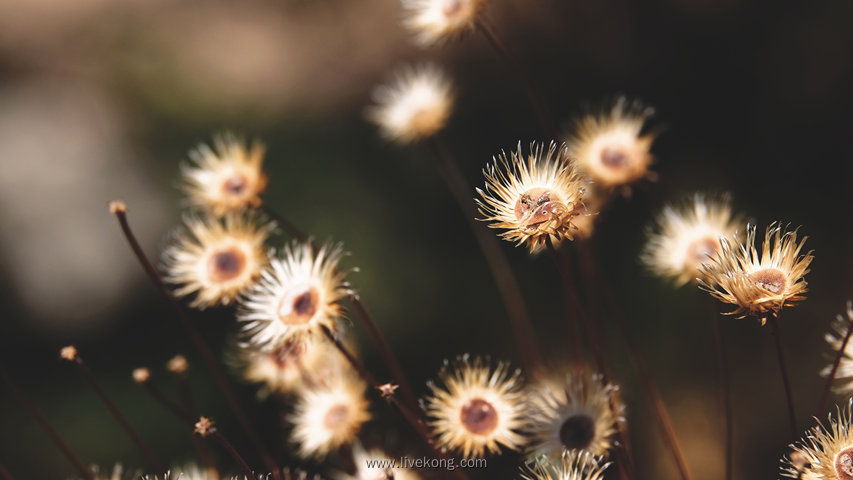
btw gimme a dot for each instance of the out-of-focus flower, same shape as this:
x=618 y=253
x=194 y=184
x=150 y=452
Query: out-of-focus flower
x=433 y=21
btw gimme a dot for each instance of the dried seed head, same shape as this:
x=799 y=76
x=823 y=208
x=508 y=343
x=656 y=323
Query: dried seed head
x=178 y=365
x=434 y=21
x=69 y=353
x=204 y=426
x=141 y=375
x=825 y=452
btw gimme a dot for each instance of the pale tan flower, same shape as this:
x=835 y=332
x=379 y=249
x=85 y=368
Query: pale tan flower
x=577 y=413
x=759 y=285
x=373 y=464
x=687 y=236
x=573 y=465
x=533 y=200
x=298 y=294
x=416 y=106
x=216 y=259
x=225 y=179
x=477 y=408
x=824 y=453
x=329 y=415
x=289 y=364
x=433 y=21
x=609 y=147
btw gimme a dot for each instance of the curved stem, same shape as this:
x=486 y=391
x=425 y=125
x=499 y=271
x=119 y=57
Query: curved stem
x=783 y=369
x=725 y=394
x=824 y=396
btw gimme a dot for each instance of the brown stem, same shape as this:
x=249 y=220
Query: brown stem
x=117 y=415
x=725 y=394
x=120 y=211
x=523 y=75
x=388 y=357
x=247 y=470
x=783 y=369
x=284 y=224
x=519 y=316
x=824 y=396
x=46 y=426
x=189 y=407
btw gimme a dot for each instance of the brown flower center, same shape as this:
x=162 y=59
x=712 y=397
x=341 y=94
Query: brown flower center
x=235 y=184
x=577 y=432
x=299 y=306
x=770 y=279
x=453 y=8
x=537 y=206
x=226 y=264
x=701 y=250
x=336 y=417
x=844 y=464
x=426 y=120
x=614 y=158
x=479 y=416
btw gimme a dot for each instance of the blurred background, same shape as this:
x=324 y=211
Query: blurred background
x=102 y=100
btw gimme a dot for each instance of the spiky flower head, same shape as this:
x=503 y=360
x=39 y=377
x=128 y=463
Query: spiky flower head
x=844 y=373
x=759 y=285
x=433 y=21
x=573 y=465
x=579 y=412
x=687 y=236
x=475 y=408
x=609 y=146
x=535 y=199
x=288 y=364
x=373 y=464
x=826 y=453
x=415 y=106
x=216 y=258
x=225 y=178
x=297 y=295
x=329 y=415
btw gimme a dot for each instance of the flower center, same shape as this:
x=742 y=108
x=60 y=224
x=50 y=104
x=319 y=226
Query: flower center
x=336 y=417
x=425 y=120
x=299 y=305
x=844 y=464
x=479 y=416
x=235 y=184
x=453 y=8
x=701 y=250
x=614 y=158
x=537 y=206
x=577 y=432
x=226 y=264
x=770 y=279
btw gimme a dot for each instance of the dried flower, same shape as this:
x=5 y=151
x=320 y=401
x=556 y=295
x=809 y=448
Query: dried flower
x=578 y=413
x=574 y=465
x=477 y=408
x=609 y=147
x=844 y=374
x=759 y=285
x=329 y=416
x=141 y=375
x=688 y=236
x=416 y=106
x=225 y=179
x=535 y=200
x=824 y=453
x=298 y=294
x=370 y=465
x=216 y=259
x=433 y=21
x=288 y=364
x=69 y=353
x=178 y=365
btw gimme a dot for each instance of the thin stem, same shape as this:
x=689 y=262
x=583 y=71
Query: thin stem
x=120 y=211
x=824 y=396
x=4 y=473
x=388 y=357
x=189 y=407
x=284 y=224
x=117 y=415
x=247 y=470
x=46 y=426
x=725 y=394
x=523 y=75
x=519 y=316
x=783 y=369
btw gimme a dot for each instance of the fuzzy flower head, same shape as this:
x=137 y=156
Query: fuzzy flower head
x=610 y=148
x=826 y=453
x=288 y=364
x=844 y=374
x=476 y=408
x=329 y=416
x=415 y=106
x=433 y=21
x=216 y=258
x=534 y=200
x=574 y=465
x=759 y=285
x=297 y=295
x=688 y=236
x=369 y=466
x=225 y=178
x=578 y=413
